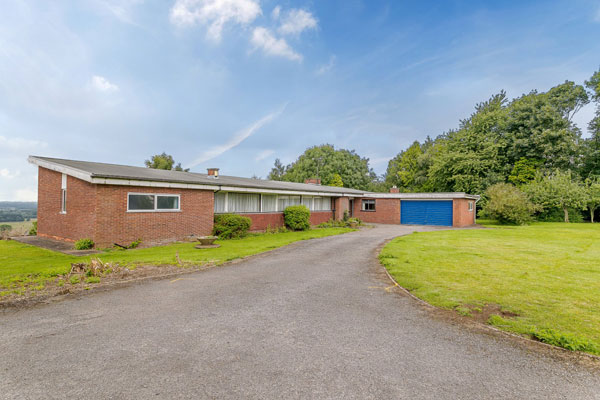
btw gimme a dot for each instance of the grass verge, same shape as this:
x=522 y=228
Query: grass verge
x=543 y=280
x=23 y=265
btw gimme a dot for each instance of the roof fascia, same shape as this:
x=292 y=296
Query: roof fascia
x=63 y=169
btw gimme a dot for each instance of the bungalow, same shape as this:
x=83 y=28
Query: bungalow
x=111 y=203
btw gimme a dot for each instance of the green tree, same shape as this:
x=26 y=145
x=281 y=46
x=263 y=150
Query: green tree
x=164 y=161
x=524 y=171
x=471 y=158
x=557 y=190
x=402 y=170
x=591 y=163
x=277 y=171
x=593 y=196
x=336 y=180
x=324 y=161
x=5 y=228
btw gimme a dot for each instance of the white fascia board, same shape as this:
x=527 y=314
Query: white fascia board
x=284 y=192
x=133 y=182
x=77 y=173
x=422 y=196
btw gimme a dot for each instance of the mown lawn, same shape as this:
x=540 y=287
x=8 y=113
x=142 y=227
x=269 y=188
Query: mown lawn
x=24 y=264
x=546 y=273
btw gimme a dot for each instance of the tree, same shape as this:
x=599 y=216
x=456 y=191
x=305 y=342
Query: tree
x=524 y=171
x=324 y=161
x=164 y=161
x=557 y=190
x=593 y=196
x=402 y=170
x=591 y=163
x=277 y=171
x=508 y=205
x=336 y=180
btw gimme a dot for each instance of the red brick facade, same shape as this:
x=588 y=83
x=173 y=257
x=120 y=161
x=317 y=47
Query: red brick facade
x=99 y=212
x=387 y=211
x=461 y=216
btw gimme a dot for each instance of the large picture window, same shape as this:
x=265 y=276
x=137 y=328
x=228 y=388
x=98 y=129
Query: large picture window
x=231 y=202
x=145 y=202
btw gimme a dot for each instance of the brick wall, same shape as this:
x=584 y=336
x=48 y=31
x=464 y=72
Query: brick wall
x=340 y=204
x=461 y=215
x=79 y=220
x=115 y=224
x=387 y=211
x=99 y=212
x=261 y=221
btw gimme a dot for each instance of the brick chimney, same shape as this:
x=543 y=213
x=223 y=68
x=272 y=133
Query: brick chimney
x=394 y=189
x=213 y=172
x=313 y=181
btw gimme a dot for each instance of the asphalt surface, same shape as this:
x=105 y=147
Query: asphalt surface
x=311 y=320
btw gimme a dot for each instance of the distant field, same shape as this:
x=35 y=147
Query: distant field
x=19 y=228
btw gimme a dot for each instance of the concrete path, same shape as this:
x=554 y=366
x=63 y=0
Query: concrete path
x=311 y=320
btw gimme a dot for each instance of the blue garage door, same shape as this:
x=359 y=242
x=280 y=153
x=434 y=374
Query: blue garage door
x=418 y=212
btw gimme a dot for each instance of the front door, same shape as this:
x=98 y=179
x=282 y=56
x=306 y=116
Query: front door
x=351 y=205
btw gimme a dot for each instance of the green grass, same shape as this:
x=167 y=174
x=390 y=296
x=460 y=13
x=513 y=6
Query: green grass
x=22 y=264
x=546 y=273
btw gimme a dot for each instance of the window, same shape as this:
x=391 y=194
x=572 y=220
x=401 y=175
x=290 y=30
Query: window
x=269 y=203
x=143 y=202
x=243 y=202
x=368 y=205
x=220 y=202
x=63 y=195
x=470 y=206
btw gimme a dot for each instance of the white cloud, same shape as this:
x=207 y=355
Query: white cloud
x=323 y=69
x=263 y=38
x=25 y=195
x=16 y=143
x=238 y=138
x=264 y=154
x=296 y=21
x=119 y=9
x=5 y=173
x=276 y=12
x=102 y=84
x=214 y=13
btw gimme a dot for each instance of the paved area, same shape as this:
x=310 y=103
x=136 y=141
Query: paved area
x=311 y=320
x=53 y=244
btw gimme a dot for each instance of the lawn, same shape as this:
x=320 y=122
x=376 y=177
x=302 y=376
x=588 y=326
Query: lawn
x=548 y=274
x=22 y=264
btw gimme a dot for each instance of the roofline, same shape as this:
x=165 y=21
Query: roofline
x=101 y=180
x=423 y=196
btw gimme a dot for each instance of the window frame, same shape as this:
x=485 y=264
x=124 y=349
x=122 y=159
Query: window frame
x=369 y=201
x=277 y=198
x=470 y=207
x=156 y=209
x=63 y=194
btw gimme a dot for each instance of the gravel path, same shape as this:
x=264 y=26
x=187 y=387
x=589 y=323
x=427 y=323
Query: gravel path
x=311 y=320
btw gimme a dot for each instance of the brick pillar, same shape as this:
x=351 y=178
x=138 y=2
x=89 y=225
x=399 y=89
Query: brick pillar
x=341 y=204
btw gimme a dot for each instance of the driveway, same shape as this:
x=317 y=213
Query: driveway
x=311 y=320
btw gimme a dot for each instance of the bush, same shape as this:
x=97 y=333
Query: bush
x=231 y=226
x=297 y=218
x=84 y=244
x=33 y=230
x=508 y=205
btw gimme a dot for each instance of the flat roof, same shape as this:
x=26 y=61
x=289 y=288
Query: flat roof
x=115 y=174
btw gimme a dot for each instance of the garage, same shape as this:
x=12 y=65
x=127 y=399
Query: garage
x=426 y=212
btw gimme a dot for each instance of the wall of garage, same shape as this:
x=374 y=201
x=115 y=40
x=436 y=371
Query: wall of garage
x=461 y=214
x=387 y=211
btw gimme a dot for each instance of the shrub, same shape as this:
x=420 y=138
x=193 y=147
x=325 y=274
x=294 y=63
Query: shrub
x=231 y=226
x=297 y=218
x=33 y=230
x=84 y=244
x=508 y=205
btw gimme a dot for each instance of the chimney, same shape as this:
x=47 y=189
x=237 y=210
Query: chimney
x=213 y=172
x=313 y=181
x=394 y=189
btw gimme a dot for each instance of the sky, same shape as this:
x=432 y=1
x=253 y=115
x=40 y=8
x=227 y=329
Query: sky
x=235 y=84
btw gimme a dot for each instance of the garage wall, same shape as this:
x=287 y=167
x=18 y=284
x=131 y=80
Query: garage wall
x=462 y=216
x=387 y=211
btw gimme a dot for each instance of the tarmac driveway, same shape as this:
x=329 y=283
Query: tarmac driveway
x=311 y=320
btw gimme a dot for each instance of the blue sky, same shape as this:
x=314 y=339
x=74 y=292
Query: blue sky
x=236 y=83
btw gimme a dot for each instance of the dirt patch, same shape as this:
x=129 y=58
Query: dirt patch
x=81 y=280
x=483 y=313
